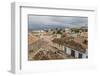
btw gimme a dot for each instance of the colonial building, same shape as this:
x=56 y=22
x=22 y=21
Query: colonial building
x=73 y=49
x=76 y=53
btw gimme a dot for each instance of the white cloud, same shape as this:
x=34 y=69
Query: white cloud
x=55 y=20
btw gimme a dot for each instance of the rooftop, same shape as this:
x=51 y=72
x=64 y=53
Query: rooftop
x=69 y=42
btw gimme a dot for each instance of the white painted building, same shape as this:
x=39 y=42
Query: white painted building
x=58 y=35
x=72 y=52
x=75 y=53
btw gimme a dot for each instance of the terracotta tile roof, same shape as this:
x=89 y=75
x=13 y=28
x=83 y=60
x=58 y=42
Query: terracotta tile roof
x=70 y=43
x=31 y=39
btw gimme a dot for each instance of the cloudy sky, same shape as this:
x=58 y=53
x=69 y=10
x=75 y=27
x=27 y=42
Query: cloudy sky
x=37 y=22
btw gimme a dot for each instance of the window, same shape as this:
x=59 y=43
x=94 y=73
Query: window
x=80 y=55
x=73 y=53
